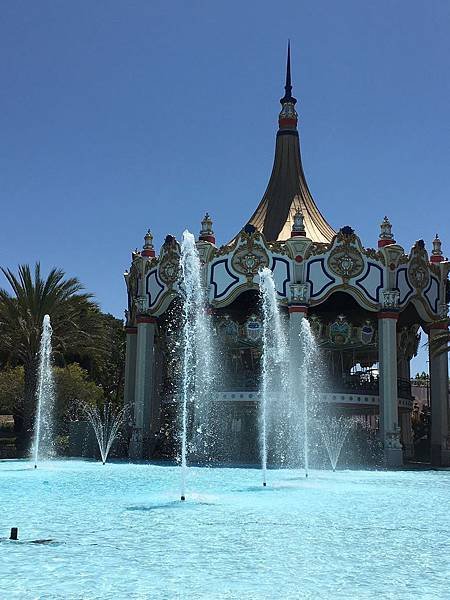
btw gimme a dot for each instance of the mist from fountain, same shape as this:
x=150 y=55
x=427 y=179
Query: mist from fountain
x=45 y=396
x=334 y=431
x=197 y=358
x=106 y=423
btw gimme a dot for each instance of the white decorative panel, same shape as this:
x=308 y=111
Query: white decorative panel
x=281 y=275
x=403 y=286
x=371 y=282
x=154 y=288
x=432 y=294
x=221 y=279
x=317 y=276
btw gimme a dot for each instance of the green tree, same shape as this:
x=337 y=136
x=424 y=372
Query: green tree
x=11 y=390
x=109 y=365
x=422 y=378
x=75 y=321
x=106 y=366
x=74 y=389
x=441 y=342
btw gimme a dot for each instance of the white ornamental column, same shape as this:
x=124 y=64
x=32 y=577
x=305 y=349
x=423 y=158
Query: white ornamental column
x=130 y=370
x=387 y=358
x=143 y=385
x=440 y=448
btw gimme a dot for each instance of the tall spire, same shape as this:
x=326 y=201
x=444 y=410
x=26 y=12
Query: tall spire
x=287 y=200
x=288 y=87
x=287 y=119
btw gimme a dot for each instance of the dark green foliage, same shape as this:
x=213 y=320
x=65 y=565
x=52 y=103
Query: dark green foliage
x=79 y=330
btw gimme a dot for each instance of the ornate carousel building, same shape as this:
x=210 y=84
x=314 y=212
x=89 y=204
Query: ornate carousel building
x=365 y=305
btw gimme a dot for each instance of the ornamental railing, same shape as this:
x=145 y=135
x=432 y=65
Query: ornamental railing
x=367 y=386
x=347 y=385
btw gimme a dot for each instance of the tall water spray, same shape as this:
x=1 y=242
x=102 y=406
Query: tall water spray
x=274 y=373
x=45 y=396
x=309 y=372
x=197 y=357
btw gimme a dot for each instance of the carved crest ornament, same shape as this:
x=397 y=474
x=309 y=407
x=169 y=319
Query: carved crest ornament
x=169 y=267
x=346 y=262
x=228 y=328
x=418 y=270
x=367 y=333
x=340 y=331
x=231 y=332
x=419 y=274
x=299 y=292
x=132 y=279
x=390 y=299
x=249 y=258
x=253 y=328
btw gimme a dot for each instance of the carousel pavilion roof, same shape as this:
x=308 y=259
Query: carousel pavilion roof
x=287 y=192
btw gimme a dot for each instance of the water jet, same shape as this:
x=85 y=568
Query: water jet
x=273 y=374
x=334 y=431
x=106 y=423
x=196 y=359
x=45 y=395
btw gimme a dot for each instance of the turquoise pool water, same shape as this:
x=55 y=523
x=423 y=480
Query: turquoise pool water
x=119 y=531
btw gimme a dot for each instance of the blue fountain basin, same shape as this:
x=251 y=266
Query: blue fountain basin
x=120 y=531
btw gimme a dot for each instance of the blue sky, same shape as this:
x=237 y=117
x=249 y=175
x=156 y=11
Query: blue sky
x=116 y=116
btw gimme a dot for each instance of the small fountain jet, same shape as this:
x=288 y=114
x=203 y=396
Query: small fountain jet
x=334 y=432
x=106 y=424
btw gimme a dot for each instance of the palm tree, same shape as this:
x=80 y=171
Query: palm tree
x=441 y=341
x=75 y=322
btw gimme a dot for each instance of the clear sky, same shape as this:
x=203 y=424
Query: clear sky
x=116 y=116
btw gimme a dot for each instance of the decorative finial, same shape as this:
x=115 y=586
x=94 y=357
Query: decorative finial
x=298 y=228
x=287 y=118
x=148 y=240
x=386 y=237
x=288 y=87
x=148 y=249
x=206 y=232
x=436 y=253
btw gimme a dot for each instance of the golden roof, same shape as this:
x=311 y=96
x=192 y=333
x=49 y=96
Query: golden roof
x=287 y=191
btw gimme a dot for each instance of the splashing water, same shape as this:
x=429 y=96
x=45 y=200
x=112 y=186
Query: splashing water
x=45 y=395
x=106 y=424
x=305 y=376
x=274 y=372
x=334 y=431
x=197 y=360
x=309 y=371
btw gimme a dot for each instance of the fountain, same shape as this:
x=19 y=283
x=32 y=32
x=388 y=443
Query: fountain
x=197 y=356
x=309 y=371
x=45 y=395
x=334 y=431
x=106 y=424
x=290 y=377
x=274 y=375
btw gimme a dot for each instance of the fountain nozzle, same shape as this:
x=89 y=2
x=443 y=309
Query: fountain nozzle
x=35 y=466
x=14 y=533
x=264 y=484
x=183 y=498
x=306 y=475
